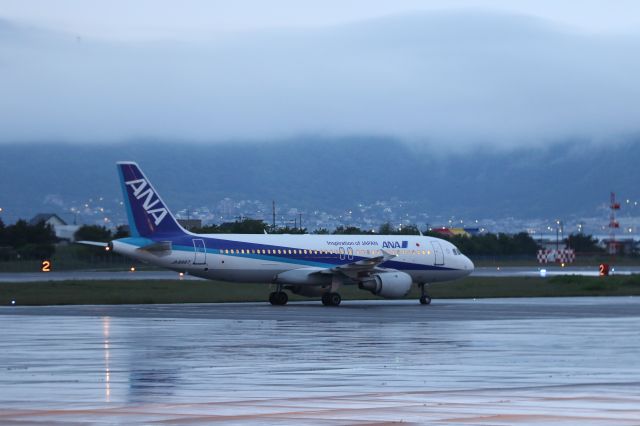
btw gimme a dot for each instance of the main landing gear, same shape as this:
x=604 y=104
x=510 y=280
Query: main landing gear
x=425 y=299
x=331 y=299
x=278 y=298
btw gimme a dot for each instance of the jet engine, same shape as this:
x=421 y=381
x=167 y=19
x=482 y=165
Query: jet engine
x=391 y=285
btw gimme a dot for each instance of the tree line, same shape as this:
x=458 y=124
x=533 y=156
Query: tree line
x=25 y=241
x=486 y=244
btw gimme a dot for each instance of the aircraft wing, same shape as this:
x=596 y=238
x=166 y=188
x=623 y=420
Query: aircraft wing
x=319 y=276
x=364 y=266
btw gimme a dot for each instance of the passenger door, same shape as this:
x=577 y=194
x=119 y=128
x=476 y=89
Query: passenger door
x=200 y=256
x=437 y=251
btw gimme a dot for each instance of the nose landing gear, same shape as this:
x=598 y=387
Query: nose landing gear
x=425 y=299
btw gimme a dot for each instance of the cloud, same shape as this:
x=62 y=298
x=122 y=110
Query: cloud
x=447 y=78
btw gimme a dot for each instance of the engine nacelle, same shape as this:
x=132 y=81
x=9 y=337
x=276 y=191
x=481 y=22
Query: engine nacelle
x=391 y=285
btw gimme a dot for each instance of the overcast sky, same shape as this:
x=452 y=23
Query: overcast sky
x=170 y=19
x=453 y=72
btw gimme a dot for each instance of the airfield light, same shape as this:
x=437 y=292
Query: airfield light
x=562 y=265
x=132 y=269
x=13 y=302
x=107 y=248
x=543 y=273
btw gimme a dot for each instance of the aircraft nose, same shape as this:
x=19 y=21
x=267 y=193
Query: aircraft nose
x=468 y=265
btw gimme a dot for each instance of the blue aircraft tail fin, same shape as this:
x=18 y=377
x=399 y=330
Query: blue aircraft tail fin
x=146 y=212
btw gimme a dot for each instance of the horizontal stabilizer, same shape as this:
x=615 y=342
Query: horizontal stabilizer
x=93 y=243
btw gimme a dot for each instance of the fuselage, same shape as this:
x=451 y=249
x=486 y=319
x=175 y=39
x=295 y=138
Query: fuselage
x=261 y=257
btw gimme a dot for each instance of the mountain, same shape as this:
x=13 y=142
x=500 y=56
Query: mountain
x=312 y=173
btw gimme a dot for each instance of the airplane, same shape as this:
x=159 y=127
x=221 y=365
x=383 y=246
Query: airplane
x=307 y=265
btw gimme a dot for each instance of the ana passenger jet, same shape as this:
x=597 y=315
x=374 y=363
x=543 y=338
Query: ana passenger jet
x=308 y=265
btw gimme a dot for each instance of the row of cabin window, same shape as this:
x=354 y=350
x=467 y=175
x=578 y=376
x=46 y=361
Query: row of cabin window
x=334 y=252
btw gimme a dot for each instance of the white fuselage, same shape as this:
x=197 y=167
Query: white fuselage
x=261 y=257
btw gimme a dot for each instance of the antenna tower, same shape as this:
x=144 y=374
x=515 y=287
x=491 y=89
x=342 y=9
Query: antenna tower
x=613 y=224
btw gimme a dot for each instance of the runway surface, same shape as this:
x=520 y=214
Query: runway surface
x=91 y=276
x=549 y=271
x=510 y=271
x=528 y=361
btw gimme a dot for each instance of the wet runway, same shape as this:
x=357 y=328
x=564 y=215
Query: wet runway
x=23 y=277
x=549 y=271
x=530 y=361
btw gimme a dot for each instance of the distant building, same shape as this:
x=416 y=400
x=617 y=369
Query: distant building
x=190 y=224
x=48 y=218
x=623 y=245
x=450 y=232
x=551 y=243
x=60 y=227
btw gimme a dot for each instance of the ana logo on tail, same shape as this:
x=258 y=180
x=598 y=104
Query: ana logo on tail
x=150 y=199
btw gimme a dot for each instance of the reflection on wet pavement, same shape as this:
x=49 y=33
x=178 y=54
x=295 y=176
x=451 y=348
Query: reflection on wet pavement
x=84 y=369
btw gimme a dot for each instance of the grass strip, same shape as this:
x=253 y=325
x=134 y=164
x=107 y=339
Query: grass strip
x=164 y=291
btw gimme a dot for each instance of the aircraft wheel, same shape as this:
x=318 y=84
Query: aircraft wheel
x=281 y=298
x=331 y=299
x=335 y=299
x=278 y=298
x=425 y=300
x=325 y=299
